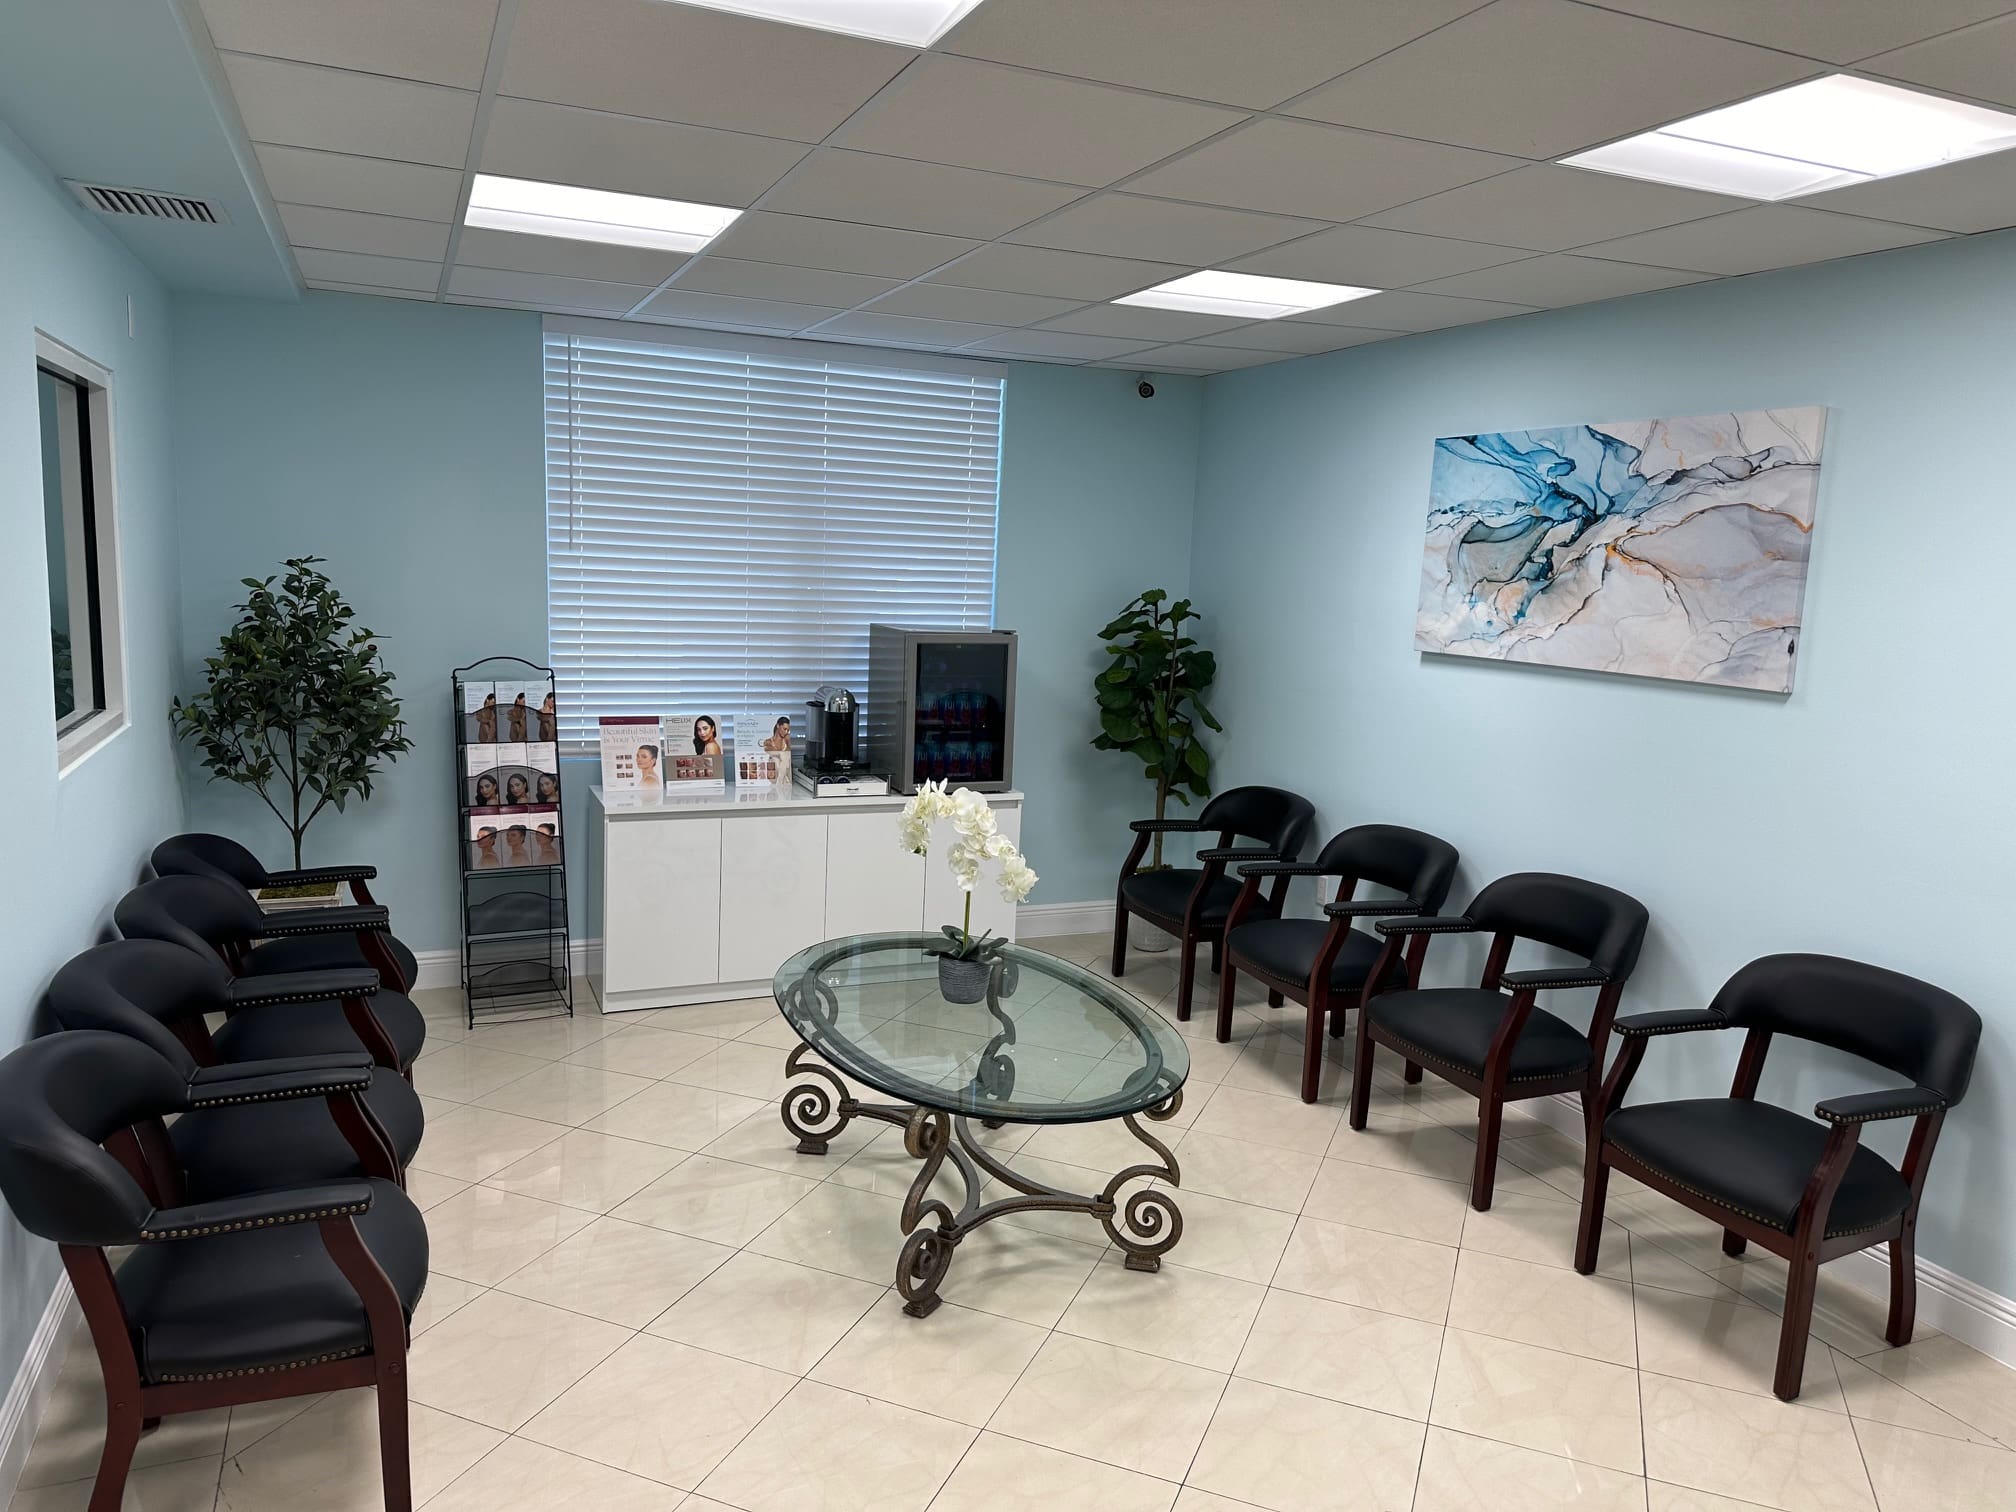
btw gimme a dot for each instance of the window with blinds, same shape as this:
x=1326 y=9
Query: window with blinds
x=723 y=525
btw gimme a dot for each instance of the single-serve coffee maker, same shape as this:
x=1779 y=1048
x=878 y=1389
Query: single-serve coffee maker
x=833 y=731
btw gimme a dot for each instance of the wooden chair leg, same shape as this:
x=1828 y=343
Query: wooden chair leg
x=1361 y=1072
x=1490 y=1118
x=1119 y=939
x=1312 y=1051
x=1411 y=1074
x=1733 y=1243
x=1337 y=1022
x=122 y=1437
x=1903 y=1286
x=1217 y=957
x=1595 y=1191
x=1225 y=988
x=1802 y=1277
x=1274 y=999
x=1186 y=978
x=394 y=1450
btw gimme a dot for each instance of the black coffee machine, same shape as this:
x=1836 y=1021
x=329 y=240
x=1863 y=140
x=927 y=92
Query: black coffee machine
x=832 y=732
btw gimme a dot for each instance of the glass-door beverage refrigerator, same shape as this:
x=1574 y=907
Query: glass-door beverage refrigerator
x=941 y=707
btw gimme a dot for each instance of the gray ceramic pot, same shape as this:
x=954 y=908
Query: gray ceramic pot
x=963 y=981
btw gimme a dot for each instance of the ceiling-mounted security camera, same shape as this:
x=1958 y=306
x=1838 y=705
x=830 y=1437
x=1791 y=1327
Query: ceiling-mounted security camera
x=1144 y=388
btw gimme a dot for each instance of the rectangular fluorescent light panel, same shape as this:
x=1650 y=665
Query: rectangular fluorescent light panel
x=1824 y=134
x=914 y=23
x=596 y=215
x=1244 y=295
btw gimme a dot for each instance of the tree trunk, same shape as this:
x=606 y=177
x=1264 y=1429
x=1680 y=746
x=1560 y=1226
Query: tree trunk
x=1161 y=808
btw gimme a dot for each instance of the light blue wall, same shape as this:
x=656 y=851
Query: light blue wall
x=76 y=844
x=1868 y=814
x=402 y=441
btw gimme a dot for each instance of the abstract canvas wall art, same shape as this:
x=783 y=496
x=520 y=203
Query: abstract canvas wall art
x=1656 y=548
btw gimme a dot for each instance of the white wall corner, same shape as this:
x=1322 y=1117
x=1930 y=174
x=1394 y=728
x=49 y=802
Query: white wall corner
x=21 y=1413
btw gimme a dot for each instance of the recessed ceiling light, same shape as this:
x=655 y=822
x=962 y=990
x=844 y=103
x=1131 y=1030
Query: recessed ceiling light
x=1823 y=134
x=597 y=215
x=1243 y=294
x=914 y=23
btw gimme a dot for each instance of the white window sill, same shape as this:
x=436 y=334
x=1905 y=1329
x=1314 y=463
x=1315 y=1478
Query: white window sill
x=78 y=742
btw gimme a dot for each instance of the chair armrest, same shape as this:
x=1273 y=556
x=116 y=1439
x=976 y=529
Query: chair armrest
x=1433 y=924
x=1234 y=853
x=1893 y=1102
x=305 y=874
x=1372 y=908
x=1165 y=826
x=302 y=987
x=1284 y=869
x=309 y=921
x=280 y=1080
x=1565 y=976
x=305 y=1204
x=1669 y=1021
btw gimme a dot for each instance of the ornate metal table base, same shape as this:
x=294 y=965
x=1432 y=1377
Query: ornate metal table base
x=1146 y=1225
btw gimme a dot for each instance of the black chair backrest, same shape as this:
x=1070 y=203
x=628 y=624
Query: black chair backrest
x=61 y=1096
x=1275 y=817
x=1902 y=1024
x=199 y=913
x=1409 y=861
x=213 y=856
x=140 y=988
x=1602 y=925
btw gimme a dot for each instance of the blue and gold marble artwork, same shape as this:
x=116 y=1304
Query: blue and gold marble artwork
x=1656 y=548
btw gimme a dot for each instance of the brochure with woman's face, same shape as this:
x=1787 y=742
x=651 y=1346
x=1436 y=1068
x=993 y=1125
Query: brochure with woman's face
x=633 y=757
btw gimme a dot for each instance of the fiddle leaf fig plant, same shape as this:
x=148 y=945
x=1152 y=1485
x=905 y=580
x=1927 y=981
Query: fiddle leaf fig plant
x=297 y=703
x=1151 y=698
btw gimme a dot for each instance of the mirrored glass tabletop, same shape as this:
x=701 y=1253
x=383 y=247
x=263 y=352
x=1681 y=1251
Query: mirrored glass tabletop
x=1053 y=1042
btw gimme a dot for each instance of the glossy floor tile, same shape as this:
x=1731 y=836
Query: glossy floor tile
x=643 y=1299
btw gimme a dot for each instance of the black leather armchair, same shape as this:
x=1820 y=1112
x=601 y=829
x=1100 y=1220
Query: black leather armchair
x=1324 y=964
x=225 y=860
x=1804 y=1189
x=329 y=1011
x=1193 y=902
x=1491 y=1039
x=223 y=1301
x=254 y=1122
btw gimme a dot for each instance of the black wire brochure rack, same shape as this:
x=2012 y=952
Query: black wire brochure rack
x=511 y=837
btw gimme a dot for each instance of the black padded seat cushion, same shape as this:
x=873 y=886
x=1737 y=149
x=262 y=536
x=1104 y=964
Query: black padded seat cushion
x=1165 y=895
x=226 y=1152
x=279 y=1030
x=1286 y=949
x=264 y=1299
x=1454 y=1026
x=328 y=952
x=1755 y=1159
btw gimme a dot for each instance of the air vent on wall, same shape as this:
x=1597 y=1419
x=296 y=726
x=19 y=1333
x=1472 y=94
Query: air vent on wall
x=150 y=204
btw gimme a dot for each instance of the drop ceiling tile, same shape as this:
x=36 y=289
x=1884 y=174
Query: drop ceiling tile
x=685 y=63
x=300 y=105
x=803 y=242
x=1548 y=208
x=1403 y=310
x=561 y=144
x=1126 y=225
x=1840 y=31
x=1375 y=259
x=1141 y=323
x=1980 y=61
x=425 y=296
x=1560 y=279
x=1067 y=275
x=1298 y=337
x=515 y=252
x=379 y=186
x=1329 y=173
x=887 y=191
x=868 y=325
x=1764 y=236
x=777 y=281
x=1203 y=359
x=1977 y=194
x=354 y=231
x=539 y=290
x=1059 y=345
x=1539 y=78
x=440 y=42
x=977 y=115
x=1255 y=53
x=715 y=309
x=318 y=266
x=986 y=306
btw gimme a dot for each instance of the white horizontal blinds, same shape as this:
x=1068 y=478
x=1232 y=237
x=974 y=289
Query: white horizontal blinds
x=723 y=526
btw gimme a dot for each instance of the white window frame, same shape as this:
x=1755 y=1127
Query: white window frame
x=85 y=733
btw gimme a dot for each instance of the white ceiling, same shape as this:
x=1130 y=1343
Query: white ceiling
x=993 y=193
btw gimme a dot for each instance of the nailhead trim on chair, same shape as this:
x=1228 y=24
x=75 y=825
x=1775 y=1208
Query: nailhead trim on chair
x=350 y=1210
x=1665 y=1029
x=1838 y=1118
x=1415 y=1052
x=264 y=999
x=1730 y=1207
x=1592 y=981
x=269 y=930
x=1465 y=927
x=288 y=1096
x=252 y=1370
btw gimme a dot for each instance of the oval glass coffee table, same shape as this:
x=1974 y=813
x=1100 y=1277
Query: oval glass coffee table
x=1053 y=1043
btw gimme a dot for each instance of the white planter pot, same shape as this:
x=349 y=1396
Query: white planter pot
x=1142 y=935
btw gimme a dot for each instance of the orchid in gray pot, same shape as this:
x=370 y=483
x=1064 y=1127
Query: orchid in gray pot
x=965 y=961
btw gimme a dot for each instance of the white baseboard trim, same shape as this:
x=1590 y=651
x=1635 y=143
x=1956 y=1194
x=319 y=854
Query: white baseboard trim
x=443 y=968
x=1976 y=1316
x=21 y=1413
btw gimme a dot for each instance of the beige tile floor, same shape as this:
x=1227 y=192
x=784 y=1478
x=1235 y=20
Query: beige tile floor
x=644 y=1299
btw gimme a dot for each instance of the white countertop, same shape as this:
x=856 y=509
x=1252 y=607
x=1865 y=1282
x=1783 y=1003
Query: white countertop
x=764 y=799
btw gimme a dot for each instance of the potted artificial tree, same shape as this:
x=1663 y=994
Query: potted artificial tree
x=1151 y=702
x=297 y=704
